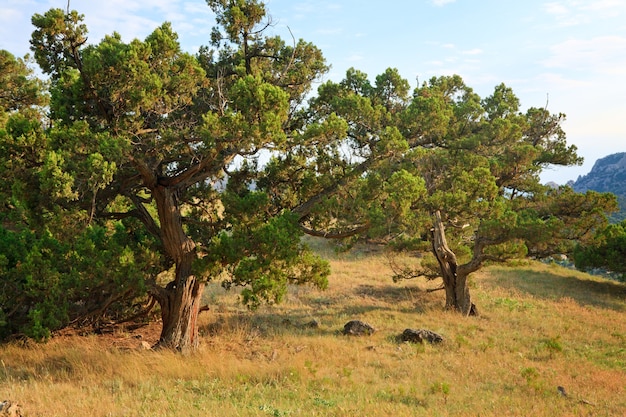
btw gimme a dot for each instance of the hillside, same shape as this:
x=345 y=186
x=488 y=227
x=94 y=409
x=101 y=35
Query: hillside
x=607 y=175
x=541 y=327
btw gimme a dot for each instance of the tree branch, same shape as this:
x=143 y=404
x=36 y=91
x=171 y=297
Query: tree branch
x=305 y=208
x=144 y=216
x=335 y=235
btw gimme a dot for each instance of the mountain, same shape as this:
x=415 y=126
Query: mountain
x=607 y=175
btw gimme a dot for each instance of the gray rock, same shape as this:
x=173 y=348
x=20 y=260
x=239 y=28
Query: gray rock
x=313 y=324
x=421 y=336
x=358 y=328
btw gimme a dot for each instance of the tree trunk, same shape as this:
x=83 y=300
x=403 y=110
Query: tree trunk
x=180 y=304
x=180 y=299
x=454 y=277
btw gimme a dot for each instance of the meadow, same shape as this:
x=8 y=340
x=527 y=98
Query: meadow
x=541 y=327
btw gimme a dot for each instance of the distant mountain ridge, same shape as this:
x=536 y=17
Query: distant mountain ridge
x=607 y=175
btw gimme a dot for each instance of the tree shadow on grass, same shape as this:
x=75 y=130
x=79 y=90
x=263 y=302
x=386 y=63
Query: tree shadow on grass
x=544 y=284
x=322 y=315
x=267 y=324
x=399 y=298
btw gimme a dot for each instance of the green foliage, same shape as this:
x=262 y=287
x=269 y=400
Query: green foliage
x=151 y=160
x=49 y=282
x=143 y=133
x=440 y=388
x=607 y=250
x=475 y=160
x=19 y=88
x=552 y=346
x=261 y=253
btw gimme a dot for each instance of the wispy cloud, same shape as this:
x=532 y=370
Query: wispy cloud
x=602 y=5
x=576 y=12
x=600 y=55
x=440 y=3
x=557 y=82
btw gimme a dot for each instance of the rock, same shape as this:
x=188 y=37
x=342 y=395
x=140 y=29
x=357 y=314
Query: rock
x=421 y=336
x=357 y=328
x=145 y=346
x=10 y=409
x=313 y=324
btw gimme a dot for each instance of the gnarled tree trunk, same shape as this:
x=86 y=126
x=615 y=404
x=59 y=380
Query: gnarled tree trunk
x=180 y=304
x=454 y=276
x=180 y=299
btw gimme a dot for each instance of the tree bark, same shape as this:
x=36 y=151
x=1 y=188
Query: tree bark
x=454 y=276
x=180 y=300
x=180 y=304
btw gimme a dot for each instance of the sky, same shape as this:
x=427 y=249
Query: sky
x=568 y=55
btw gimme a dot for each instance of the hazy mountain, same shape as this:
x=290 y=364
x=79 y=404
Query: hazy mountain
x=607 y=175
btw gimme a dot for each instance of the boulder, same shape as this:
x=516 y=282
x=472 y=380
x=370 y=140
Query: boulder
x=421 y=336
x=357 y=328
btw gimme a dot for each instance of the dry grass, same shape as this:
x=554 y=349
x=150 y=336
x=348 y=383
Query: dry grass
x=540 y=327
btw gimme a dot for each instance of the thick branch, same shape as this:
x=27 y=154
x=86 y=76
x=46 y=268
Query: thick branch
x=335 y=235
x=146 y=218
x=199 y=171
x=148 y=176
x=304 y=209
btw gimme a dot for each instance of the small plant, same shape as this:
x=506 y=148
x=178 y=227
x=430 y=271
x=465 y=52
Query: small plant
x=273 y=411
x=310 y=366
x=487 y=344
x=552 y=345
x=461 y=341
x=323 y=402
x=442 y=388
x=533 y=380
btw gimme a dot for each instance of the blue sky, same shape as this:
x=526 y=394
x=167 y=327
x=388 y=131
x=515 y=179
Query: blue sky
x=570 y=54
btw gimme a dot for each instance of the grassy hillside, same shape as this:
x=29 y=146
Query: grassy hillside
x=540 y=327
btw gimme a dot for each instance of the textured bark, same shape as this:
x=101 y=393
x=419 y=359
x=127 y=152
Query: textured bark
x=180 y=299
x=180 y=305
x=454 y=276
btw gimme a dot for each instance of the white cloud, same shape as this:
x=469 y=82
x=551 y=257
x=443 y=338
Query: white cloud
x=554 y=8
x=8 y=15
x=556 y=82
x=603 y=5
x=600 y=55
x=440 y=3
x=577 y=12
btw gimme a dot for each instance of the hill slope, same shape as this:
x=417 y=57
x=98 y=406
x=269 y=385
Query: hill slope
x=607 y=175
x=542 y=327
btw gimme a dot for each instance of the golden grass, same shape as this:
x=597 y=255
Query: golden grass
x=540 y=327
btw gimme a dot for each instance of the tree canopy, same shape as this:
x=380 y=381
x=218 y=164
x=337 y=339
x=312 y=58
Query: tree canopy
x=155 y=171
x=161 y=146
x=458 y=172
